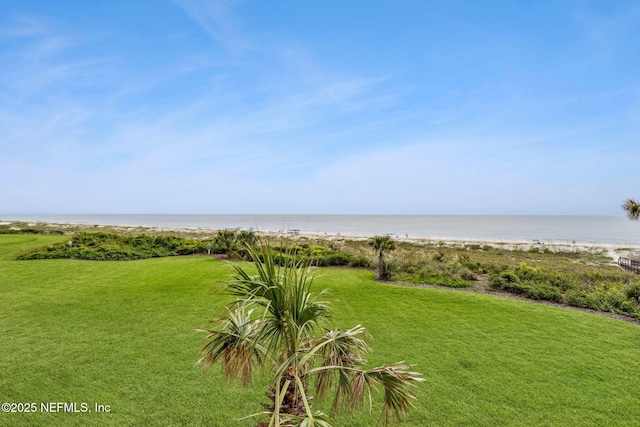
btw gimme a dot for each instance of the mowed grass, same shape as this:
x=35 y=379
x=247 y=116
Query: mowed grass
x=122 y=334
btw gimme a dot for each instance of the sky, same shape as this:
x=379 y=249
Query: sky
x=325 y=107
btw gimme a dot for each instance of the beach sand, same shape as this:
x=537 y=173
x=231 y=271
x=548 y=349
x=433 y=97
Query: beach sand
x=614 y=251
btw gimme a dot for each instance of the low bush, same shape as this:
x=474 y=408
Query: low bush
x=452 y=282
x=503 y=278
x=466 y=274
x=13 y=229
x=543 y=292
x=606 y=296
x=438 y=256
x=632 y=292
x=511 y=281
x=575 y=298
x=362 y=262
x=338 y=259
x=103 y=246
x=424 y=276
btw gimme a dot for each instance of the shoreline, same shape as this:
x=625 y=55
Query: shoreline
x=613 y=250
x=616 y=231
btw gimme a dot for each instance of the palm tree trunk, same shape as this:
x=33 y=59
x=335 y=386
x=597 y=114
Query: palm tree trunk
x=292 y=403
x=380 y=266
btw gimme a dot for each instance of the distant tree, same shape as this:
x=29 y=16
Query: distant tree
x=381 y=244
x=277 y=322
x=632 y=208
x=225 y=241
x=246 y=237
x=232 y=242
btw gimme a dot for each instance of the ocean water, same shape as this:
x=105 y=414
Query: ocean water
x=609 y=230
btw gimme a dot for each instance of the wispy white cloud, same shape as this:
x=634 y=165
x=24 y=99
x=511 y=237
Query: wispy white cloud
x=217 y=19
x=246 y=112
x=59 y=96
x=463 y=176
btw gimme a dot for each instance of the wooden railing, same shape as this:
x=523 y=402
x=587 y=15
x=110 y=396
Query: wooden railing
x=629 y=264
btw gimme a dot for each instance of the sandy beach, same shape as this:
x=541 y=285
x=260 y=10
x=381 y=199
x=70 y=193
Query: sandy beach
x=614 y=251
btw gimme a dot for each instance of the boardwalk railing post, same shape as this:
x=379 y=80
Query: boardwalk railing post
x=629 y=264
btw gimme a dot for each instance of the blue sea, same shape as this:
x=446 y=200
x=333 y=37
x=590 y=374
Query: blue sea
x=608 y=230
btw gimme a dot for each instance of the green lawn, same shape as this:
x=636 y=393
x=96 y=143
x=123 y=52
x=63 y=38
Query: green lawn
x=122 y=334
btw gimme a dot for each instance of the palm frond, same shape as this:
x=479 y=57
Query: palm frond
x=382 y=243
x=235 y=345
x=396 y=381
x=632 y=208
x=292 y=311
x=338 y=350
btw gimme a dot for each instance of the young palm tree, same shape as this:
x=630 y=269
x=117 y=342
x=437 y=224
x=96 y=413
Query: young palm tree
x=632 y=208
x=225 y=241
x=278 y=323
x=382 y=244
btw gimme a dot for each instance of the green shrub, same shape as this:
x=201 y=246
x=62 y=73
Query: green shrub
x=362 y=262
x=425 y=275
x=7 y=229
x=467 y=274
x=527 y=272
x=506 y=276
x=475 y=267
x=542 y=292
x=606 y=296
x=386 y=272
x=438 y=256
x=339 y=258
x=438 y=278
x=509 y=281
x=516 y=288
x=412 y=269
x=630 y=307
x=393 y=265
x=632 y=292
x=575 y=298
x=452 y=282
x=396 y=264
x=103 y=246
x=560 y=281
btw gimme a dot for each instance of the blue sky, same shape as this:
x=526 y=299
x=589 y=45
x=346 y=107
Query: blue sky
x=381 y=107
